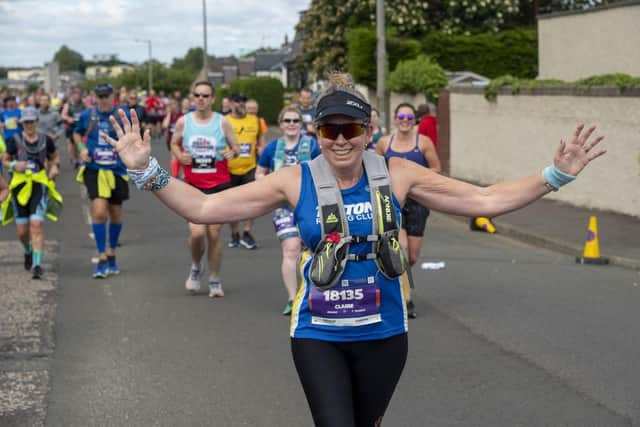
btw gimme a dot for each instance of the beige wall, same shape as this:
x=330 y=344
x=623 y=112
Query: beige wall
x=572 y=46
x=517 y=136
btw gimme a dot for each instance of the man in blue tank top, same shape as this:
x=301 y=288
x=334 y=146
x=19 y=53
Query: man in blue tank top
x=104 y=176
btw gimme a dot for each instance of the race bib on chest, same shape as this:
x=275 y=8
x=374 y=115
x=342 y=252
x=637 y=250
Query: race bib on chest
x=33 y=166
x=352 y=302
x=11 y=123
x=105 y=156
x=245 y=150
x=203 y=154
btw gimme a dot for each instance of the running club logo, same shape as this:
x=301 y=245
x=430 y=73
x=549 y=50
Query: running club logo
x=353 y=212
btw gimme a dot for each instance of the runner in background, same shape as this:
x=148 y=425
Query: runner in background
x=71 y=112
x=203 y=142
x=252 y=108
x=169 y=127
x=246 y=127
x=292 y=148
x=33 y=161
x=105 y=178
x=408 y=144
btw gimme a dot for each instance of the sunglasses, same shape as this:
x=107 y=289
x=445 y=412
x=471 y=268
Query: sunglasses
x=291 y=121
x=347 y=130
x=103 y=96
x=28 y=122
x=202 y=95
x=405 y=116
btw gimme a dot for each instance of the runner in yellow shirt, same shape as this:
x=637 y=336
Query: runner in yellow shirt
x=243 y=168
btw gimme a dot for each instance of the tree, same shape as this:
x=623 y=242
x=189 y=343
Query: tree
x=69 y=60
x=192 y=61
x=323 y=26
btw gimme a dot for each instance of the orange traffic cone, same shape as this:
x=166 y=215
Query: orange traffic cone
x=591 y=254
x=482 y=223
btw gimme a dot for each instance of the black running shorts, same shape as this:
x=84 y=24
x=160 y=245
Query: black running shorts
x=414 y=218
x=118 y=194
x=248 y=177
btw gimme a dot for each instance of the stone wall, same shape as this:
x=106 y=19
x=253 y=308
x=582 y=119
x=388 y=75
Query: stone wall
x=517 y=136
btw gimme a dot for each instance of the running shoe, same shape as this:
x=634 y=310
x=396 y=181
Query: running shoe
x=28 y=261
x=215 y=289
x=192 y=284
x=102 y=269
x=288 y=308
x=411 y=310
x=37 y=272
x=247 y=241
x=235 y=241
x=112 y=265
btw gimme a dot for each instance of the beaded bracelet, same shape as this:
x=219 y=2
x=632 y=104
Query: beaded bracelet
x=152 y=178
x=554 y=178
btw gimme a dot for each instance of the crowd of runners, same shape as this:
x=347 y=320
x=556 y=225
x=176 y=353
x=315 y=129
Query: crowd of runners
x=211 y=151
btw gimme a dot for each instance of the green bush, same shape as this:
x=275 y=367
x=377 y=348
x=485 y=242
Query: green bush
x=268 y=91
x=420 y=75
x=513 y=52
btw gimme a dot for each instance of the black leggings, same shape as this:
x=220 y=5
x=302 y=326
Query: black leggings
x=349 y=384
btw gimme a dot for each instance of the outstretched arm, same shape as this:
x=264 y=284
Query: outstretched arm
x=246 y=201
x=460 y=198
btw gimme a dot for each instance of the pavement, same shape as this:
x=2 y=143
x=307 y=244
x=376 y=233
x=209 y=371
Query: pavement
x=563 y=228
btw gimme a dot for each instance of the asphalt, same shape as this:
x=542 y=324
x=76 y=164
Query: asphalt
x=564 y=228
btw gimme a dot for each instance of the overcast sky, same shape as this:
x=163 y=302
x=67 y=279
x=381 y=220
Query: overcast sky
x=31 y=31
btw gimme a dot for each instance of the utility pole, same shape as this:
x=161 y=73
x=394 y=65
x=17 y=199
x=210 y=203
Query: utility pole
x=150 y=63
x=381 y=61
x=205 y=64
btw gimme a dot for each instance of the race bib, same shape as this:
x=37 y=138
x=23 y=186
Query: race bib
x=245 y=150
x=105 y=156
x=352 y=302
x=11 y=123
x=203 y=154
x=283 y=222
x=33 y=166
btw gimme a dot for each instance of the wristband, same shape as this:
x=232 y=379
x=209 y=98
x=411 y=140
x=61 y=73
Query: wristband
x=81 y=147
x=12 y=165
x=554 y=178
x=152 y=178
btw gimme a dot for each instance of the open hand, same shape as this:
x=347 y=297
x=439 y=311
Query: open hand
x=132 y=149
x=571 y=158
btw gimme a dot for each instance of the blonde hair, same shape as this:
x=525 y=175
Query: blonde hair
x=339 y=81
x=289 y=109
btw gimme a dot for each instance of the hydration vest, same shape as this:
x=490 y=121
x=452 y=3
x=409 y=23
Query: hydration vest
x=332 y=253
x=304 y=152
x=36 y=152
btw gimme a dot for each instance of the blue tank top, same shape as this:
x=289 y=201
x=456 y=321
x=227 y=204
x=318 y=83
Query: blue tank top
x=364 y=305
x=415 y=155
x=209 y=138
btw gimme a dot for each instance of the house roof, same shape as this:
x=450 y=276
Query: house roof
x=268 y=61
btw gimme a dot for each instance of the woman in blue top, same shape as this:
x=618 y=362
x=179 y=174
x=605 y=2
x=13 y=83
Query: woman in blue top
x=348 y=365
x=405 y=142
x=292 y=148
